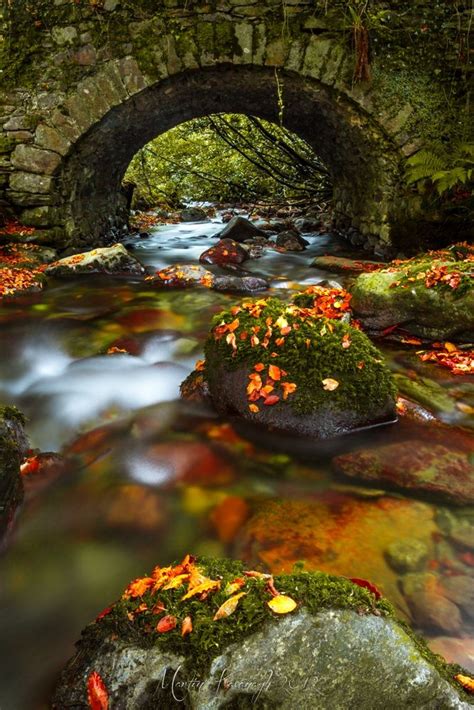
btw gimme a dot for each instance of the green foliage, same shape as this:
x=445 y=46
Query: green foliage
x=444 y=171
x=227 y=157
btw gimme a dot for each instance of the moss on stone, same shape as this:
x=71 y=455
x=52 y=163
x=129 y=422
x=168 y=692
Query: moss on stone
x=312 y=352
x=313 y=590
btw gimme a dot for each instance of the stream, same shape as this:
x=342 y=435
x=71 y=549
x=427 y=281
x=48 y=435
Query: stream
x=151 y=478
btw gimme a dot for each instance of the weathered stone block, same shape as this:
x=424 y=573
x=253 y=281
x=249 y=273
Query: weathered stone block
x=30 y=182
x=43 y=216
x=35 y=160
x=51 y=139
x=28 y=199
x=316 y=54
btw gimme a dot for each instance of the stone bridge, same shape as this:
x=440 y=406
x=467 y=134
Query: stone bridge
x=86 y=83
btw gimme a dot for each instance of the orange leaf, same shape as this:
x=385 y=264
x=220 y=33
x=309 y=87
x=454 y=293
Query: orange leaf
x=186 y=626
x=346 y=341
x=329 y=384
x=228 y=607
x=167 y=623
x=210 y=585
x=234 y=586
x=282 y=604
x=466 y=681
x=274 y=372
x=259 y=366
x=97 y=695
x=138 y=587
x=254 y=408
x=200 y=365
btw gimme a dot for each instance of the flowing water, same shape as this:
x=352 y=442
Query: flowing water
x=150 y=478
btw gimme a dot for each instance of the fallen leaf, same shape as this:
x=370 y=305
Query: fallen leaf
x=167 y=623
x=466 y=681
x=254 y=408
x=233 y=587
x=282 y=604
x=329 y=384
x=176 y=581
x=210 y=585
x=186 y=626
x=97 y=695
x=366 y=585
x=228 y=607
x=271 y=400
x=274 y=372
x=138 y=587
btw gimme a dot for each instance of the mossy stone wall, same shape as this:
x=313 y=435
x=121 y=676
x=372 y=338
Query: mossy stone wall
x=86 y=83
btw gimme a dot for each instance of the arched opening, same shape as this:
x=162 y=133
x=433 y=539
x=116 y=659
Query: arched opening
x=349 y=143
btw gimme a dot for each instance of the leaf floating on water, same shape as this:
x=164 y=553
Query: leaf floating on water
x=186 y=626
x=282 y=604
x=466 y=681
x=229 y=606
x=366 y=585
x=97 y=694
x=209 y=585
x=329 y=384
x=167 y=623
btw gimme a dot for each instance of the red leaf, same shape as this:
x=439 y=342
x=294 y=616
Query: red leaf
x=97 y=695
x=366 y=585
x=167 y=623
x=272 y=399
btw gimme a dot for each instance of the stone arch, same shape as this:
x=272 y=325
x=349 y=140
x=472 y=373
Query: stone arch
x=88 y=134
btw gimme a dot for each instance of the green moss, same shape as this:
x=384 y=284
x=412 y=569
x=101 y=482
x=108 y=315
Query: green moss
x=314 y=591
x=312 y=352
x=12 y=413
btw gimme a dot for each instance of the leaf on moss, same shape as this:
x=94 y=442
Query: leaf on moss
x=282 y=604
x=228 y=607
x=210 y=585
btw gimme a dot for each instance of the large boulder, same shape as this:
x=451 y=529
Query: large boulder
x=212 y=635
x=239 y=229
x=290 y=370
x=13 y=449
x=432 y=297
x=107 y=260
x=418 y=466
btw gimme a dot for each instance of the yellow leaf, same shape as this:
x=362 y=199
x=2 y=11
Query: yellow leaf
x=176 y=581
x=209 y=585
x=229 y=606
x=450 y=347
x=466 y=681
x=329 y=384
x=282 y=604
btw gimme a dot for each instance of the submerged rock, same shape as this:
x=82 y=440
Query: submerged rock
x=106 y=260
x=429 y=605
x=419 y=466
x=239 y=229
x=286 y=369
x=429 y=297
x=13 y=448
x=340 y=647
x=226 y=251
x=336 y=533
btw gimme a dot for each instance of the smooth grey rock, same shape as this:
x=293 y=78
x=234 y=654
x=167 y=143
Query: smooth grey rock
x=239 y=284
x=335 y=660
x=193 y=214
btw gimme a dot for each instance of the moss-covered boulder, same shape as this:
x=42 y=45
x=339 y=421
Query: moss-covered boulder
x=290 y=369
x=418 y=466
x=210 y=634
x=430 y=296
x=13 y=448
x=107 y=260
